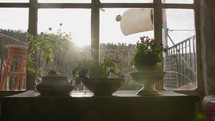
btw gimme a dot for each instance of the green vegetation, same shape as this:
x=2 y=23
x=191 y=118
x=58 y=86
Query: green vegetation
x=93 y=69
x=48 y=51
x=147 y=54
x=18 y=34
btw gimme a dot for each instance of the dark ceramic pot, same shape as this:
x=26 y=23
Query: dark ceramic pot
x=103 y=86
x=54 y=85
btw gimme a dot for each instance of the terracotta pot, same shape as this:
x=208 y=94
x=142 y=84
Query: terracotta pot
x=56 y=85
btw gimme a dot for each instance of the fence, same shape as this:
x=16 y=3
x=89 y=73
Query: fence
x=180 y=65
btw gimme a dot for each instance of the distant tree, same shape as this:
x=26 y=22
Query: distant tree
x=18 y=34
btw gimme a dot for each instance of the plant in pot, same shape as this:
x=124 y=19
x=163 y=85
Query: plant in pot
x=147 y=62
x=46 y=54
x=101 y=78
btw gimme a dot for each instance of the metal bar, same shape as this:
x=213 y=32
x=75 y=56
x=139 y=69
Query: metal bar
x=194 y=52
x=190 y=49
x=1 y=54
x=182 y=62
x=191 y=59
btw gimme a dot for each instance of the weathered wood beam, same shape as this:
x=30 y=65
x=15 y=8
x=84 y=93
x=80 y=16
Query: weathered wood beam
x=102 y=5
x=32 y=29
x=180 y=6
x=126 y=5
x=95 y=30
x=64 y=5
x=89 y=5
x=14 y=5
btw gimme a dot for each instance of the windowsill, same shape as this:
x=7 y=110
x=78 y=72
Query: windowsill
x=123 y=105
x=120 y=93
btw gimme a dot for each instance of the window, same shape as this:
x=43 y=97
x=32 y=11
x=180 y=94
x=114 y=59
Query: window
x=180 y=61
x=74 y=21
x=111 y=30
x=178 y=26
x=14 y=18
x=119 y=36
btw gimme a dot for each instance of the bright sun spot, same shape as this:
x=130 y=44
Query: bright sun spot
x=80 y=43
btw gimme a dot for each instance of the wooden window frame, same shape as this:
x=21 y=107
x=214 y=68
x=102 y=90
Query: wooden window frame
x=95 y=5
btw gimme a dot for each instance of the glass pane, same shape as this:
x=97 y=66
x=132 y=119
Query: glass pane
x=13 y=30
x=64 y=1
x=126 y=1
x=78 y=26
x=178 y=1
x=14 y=18
x=120 y=29
x=14 y=1
x=72 y=22
x=180 y=60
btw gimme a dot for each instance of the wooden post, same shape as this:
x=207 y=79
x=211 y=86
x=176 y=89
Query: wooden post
x=95 y=29
x=158 y=20
x=32 y=29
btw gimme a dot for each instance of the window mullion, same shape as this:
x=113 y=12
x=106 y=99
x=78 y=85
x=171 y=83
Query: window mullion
x=95 y=30
x=158 y=20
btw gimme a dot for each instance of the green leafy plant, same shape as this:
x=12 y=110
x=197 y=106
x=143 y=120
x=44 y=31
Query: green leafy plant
x=147 y=54
x=95 y=69
x=46 y=52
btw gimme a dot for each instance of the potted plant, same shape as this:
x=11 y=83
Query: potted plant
x=101 y=78
x=46 y=58
x=147 y=62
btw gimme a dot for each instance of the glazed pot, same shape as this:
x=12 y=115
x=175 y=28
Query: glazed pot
x=103 y=86
x=54 y=84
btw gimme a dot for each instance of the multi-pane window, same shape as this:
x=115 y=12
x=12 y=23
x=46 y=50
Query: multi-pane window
x=178 y=30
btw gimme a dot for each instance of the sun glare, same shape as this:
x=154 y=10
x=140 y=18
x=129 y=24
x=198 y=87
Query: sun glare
x=80 y=43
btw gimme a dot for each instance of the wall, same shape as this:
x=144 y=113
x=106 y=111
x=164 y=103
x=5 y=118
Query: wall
x=211 y=4
x=207 y=46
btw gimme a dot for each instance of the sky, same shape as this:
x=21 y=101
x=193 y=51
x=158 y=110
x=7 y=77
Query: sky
x=77 y=22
